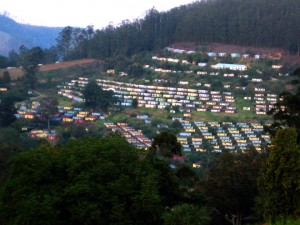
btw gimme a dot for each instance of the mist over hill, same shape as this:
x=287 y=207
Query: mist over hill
x=13 y=35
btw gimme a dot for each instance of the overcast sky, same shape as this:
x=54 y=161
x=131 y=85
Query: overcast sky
x=78 y=13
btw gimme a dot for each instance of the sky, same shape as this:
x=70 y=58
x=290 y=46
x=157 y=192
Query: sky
x=78 y=13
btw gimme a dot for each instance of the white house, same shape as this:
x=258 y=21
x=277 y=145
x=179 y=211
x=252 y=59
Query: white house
x=239 y=67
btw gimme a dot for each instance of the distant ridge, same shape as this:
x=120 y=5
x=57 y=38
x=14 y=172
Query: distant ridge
x=13 y=35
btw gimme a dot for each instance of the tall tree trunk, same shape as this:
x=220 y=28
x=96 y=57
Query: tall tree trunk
x=49 y=124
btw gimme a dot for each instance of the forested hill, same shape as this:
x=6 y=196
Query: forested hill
x=260 y=23
x=257 y=23
x=13 y=35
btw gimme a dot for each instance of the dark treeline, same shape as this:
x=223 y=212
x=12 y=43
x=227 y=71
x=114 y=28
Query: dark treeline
x=265 y=23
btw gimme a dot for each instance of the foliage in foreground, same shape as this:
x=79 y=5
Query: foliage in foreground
x=230 y=185
x=187 y=214
x=286 y=222
x=279 y=181
x=87 y=181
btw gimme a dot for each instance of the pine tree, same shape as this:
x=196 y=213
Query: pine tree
x=279 y=181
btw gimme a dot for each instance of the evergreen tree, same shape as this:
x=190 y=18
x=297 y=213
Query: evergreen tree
x=187 y=214
x=7 y=112
x=6 y=77
x=167 y=144
x=230 y=185
x=135 y=103
x=96 y=97
x=87 y=181
x=286 y=112
x=48 y=108
x=30 y=59
x=279 y=181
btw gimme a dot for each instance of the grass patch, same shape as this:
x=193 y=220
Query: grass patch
x=245 y=116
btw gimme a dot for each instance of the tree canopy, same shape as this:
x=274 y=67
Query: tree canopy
x=187 y=214
x=98 y=98
x=48 y=108
x=7 y=112
x=286 y=112
x=230 y=185
x=257 y=23
x=6 y=78
x=29 y=61
x=87 y=181
x=279 y=181
x=167 y=144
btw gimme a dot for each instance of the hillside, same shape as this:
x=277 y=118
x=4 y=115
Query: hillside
x=13 y=35
x=251 y=23
x=17 y=72
x=230 y=48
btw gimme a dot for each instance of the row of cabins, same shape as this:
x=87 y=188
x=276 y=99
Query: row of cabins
x=235 y=67
x=161 y=97
x=232 y=75
x=150 y=96
x=77 y=115
x=180 y=51
x=225 y=54
x=214 y=54
x=72 y=89
x=135 y=137
x=71 y=94
x=66 y=114
x=3 y=89
x=52 y=135
x=233 y=55
x=161 y=70
x=217 y=136
x=218 y=66
x=262 y=102
x=170 y=60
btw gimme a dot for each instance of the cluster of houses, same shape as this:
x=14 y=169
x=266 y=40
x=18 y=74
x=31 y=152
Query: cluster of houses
x=77 y=115
x=232 y=75
x=218 y=66
x=187 y=99
x=28 y=111
x=71 y=90
x=64 y=114
x=229 y=66
x=163 y=59
x=262 y=102
x=196 y=136
x=180 y=51
x=160 y=97
x=214 y=54
x=51 y=135
x=218 y=136
x=233 y=55
x=276 y=55
x=135 y=137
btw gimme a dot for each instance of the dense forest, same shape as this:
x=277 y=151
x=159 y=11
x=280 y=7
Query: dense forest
x=257 y=23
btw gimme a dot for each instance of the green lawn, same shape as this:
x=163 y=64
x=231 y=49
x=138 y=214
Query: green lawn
x=244 y=116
